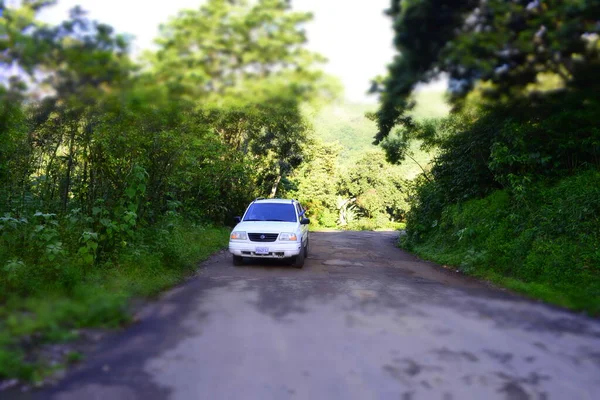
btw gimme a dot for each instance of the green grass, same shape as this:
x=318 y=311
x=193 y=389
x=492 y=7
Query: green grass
x=101 y=297
x=575 y=296
x=74 y=357
x=545 y=246
x=362 y=224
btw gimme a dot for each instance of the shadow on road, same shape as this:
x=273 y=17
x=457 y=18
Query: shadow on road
x=362 y=319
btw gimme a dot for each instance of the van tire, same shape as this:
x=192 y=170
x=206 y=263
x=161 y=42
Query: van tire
x=238 y=260
x=299 y=260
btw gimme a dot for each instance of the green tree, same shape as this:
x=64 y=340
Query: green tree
x=244 y=66
x=375 y=187
x=511 y=46
x=19 y=48
x=20 y=54
x=522 y=81
x=525 y=95
x=237 y=49
x=316 y=182
x=85 y=62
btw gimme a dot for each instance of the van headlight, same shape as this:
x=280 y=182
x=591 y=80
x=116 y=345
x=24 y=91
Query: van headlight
x=238 y=236
x=288 y=237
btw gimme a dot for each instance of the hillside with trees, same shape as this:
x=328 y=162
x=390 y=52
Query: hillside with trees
x=346 y=181
x=513 y=193
x=349 y=125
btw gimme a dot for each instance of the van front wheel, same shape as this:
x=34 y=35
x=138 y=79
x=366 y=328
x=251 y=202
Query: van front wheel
x=238 y=260
x=299 y=260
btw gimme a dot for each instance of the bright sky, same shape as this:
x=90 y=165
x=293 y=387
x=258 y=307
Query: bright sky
x=354 y=35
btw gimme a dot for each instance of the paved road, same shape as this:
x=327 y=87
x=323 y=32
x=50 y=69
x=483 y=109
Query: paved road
x=362 y=320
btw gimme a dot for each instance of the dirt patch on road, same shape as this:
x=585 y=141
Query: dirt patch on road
x=378 y=249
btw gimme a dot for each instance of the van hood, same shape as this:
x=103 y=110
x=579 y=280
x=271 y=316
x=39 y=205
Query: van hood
x=266 y=227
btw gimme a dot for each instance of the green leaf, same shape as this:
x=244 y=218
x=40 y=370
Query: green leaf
x=130 y=192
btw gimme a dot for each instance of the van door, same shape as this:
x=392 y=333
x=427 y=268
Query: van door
x=304 y=228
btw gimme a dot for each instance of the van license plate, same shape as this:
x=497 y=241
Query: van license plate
x=262 y=250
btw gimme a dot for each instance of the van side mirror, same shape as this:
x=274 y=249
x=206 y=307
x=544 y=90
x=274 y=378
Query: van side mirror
x=304 y=221
x=237 y=220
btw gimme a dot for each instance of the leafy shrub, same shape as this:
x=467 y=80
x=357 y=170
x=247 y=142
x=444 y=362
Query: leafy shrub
x=328 y=218
x=362 y=224
x=547 y=241
x=83 y=295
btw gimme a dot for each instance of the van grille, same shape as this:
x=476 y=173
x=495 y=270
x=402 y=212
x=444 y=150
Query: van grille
x=263 y=237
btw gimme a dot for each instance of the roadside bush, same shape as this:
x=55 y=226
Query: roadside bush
x=544 y=244
x=379 y=222
x=327 y=218
x=362 y=224
x=426 y=200
x=81 y=295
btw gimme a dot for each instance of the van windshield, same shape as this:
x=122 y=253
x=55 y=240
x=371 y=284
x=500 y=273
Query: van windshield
x=280 y=212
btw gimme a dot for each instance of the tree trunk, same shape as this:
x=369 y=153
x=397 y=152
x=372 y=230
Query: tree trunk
x=67 y=183
x=275 y=187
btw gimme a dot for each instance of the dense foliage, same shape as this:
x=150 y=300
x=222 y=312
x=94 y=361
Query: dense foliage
x=524 y=128
x=546 y=245
x=115 y=172
x=509 y=45
x=105 y=146
x=368 y=195
x=345 y=182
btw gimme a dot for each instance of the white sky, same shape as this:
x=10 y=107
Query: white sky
x=354 y=35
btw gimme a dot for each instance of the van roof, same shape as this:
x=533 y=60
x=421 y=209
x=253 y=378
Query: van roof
x=289 y=201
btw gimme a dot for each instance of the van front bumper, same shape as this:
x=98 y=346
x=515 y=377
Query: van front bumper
x=275 y=249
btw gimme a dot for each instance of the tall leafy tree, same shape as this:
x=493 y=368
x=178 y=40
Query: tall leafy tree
x=316 y=182
x=244 y=66
x=508 y=45
x=85 y=62
x=375 y=187
x=19 y=48
x=21 y=53
x=237 y=48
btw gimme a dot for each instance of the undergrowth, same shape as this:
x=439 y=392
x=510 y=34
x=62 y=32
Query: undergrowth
x=544 y=244
x=50 y=301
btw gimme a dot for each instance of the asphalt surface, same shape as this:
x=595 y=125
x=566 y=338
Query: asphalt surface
x=362 y=320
